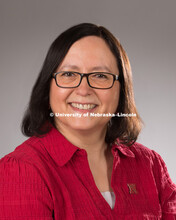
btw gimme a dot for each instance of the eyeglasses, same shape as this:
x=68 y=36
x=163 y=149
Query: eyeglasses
x=97 y=80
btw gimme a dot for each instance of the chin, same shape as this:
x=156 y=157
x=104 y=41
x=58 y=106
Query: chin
x=83 y=124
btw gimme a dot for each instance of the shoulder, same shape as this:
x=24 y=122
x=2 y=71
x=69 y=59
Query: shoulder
x=141 y=151
x=23 y=183
x=29 y=154
x=149 y=158
x=24 y=151
x=27 y=164
x=22 y=165
x=155 y=162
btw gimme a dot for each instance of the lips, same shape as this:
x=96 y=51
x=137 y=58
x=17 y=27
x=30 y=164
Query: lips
x=83 y=106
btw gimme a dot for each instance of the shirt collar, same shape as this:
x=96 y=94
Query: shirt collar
x=58 y=147
x=61 y=150
x=125 y=150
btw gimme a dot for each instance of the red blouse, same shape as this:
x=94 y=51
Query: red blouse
x=49 y=178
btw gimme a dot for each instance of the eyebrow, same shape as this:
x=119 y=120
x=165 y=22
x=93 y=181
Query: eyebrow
x=104 y=68
x=96 y=68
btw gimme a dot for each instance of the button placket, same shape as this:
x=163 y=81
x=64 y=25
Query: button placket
x=115 y=176
x=91 y=187
x=116 y=159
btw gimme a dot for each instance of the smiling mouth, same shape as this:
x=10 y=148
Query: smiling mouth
x=83 y=106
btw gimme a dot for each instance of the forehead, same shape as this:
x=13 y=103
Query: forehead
x=91 y=51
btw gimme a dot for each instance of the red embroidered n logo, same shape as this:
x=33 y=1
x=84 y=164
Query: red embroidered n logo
x=132 y=188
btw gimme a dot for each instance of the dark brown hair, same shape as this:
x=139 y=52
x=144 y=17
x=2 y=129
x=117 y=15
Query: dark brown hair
x=37 y=115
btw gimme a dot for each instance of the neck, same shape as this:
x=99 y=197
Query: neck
x=92 y=141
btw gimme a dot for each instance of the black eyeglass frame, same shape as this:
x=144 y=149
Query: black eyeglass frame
x=115 y=78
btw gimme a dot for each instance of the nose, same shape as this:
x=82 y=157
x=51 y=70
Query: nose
x=84 y=88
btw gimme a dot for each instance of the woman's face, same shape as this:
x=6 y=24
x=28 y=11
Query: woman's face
x=89 y=54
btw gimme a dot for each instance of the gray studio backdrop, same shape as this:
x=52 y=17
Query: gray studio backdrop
x=146 y=29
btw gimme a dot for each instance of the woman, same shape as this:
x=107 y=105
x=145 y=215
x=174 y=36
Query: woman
x=82 y=160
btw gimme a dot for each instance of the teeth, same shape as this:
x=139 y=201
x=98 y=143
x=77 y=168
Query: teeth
x=85 y=106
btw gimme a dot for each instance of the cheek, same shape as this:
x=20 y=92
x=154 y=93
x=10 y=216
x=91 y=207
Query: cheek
x=111 y=98
x=57 y=97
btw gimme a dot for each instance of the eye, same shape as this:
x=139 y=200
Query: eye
x=100 y=75
x=68 y=74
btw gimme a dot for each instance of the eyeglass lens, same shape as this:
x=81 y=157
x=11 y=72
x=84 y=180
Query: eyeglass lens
x=72 y=79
